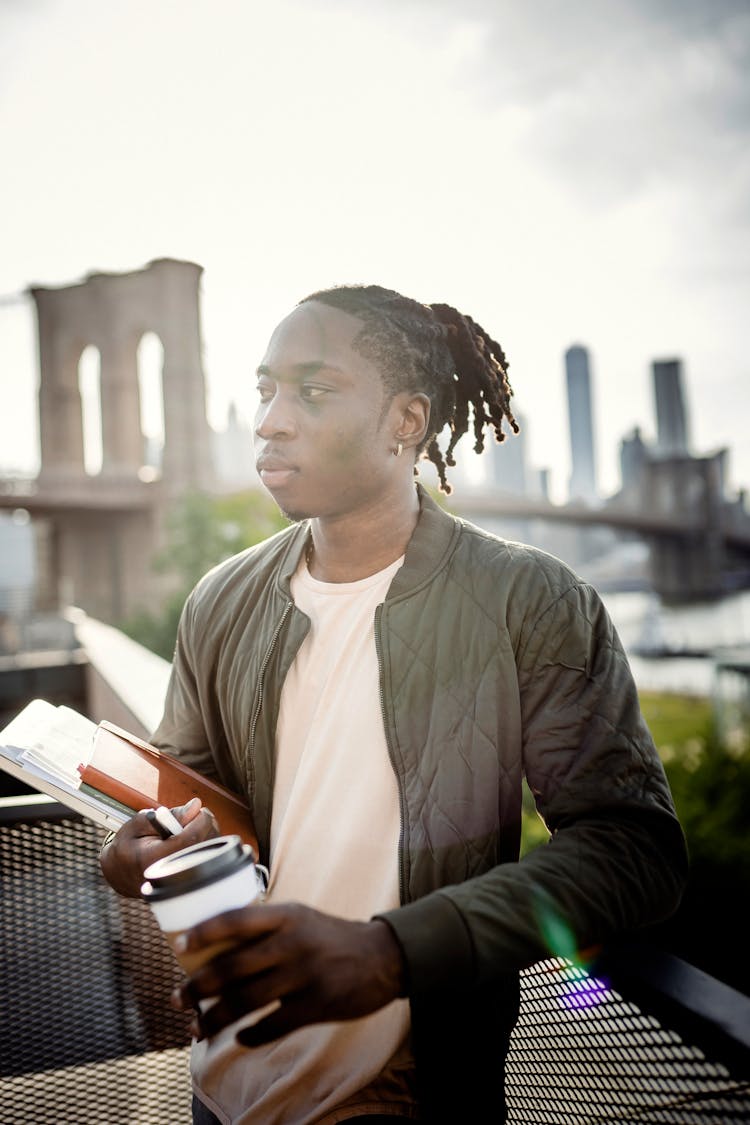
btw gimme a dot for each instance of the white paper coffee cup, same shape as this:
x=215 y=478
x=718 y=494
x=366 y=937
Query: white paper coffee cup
x=198 y=882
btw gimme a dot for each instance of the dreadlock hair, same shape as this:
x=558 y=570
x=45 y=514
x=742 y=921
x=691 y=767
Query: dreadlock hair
x=433 y=350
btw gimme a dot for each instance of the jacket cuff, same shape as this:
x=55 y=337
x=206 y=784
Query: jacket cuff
x=435 y=942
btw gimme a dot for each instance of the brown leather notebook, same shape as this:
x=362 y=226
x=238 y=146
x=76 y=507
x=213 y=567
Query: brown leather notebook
x=136 y=774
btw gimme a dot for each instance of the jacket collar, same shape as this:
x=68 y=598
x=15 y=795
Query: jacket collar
x=299 y=535
x=433 y=539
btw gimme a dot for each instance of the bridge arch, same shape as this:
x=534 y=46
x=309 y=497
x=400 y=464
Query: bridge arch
x=150 y=364
x=113 y=312
x=90 y=389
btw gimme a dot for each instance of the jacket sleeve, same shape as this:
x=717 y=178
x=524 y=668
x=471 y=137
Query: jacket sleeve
x=616 y=859
x=181 y=731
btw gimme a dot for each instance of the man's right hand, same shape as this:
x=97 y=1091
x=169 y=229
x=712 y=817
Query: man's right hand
x=138 y=844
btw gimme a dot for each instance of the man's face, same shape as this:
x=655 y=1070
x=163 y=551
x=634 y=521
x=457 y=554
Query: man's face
x=322 y=438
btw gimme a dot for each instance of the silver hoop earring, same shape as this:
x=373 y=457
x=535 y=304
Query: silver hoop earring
x=398 y=450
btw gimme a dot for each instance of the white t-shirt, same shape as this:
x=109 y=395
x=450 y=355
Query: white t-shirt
x=334 y=845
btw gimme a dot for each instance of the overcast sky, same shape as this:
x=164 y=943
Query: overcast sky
x=564 y=171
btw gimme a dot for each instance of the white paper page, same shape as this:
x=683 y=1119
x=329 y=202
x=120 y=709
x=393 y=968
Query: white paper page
x=55 y=739
x=54 y=730
x=23 y=731
x=63 y=745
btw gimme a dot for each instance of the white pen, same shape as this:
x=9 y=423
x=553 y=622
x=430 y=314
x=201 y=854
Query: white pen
x=164 y=821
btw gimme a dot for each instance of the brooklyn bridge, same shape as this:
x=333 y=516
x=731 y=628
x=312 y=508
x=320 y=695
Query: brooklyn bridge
x=98 y=534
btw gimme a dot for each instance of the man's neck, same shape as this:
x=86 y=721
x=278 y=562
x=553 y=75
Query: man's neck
x=362 y=543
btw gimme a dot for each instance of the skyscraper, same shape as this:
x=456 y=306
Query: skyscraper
x=580 y=415
x=671 y=413
x=506 y=461
x=633 y=458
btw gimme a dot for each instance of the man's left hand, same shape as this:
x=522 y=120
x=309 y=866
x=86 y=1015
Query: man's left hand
x=319 y=967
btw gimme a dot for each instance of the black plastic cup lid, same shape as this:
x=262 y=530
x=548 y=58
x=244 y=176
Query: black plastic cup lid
x=195 y=866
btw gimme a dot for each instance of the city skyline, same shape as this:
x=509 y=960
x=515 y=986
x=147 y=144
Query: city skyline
x=559 y=174
x=696 y=530
x=668 y=433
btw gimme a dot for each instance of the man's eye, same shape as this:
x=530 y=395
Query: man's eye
x=311 y=392
x=265 y=393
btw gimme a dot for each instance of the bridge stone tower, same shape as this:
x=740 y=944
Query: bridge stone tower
x=687 y=567
x=113 y=311
x=103 y=530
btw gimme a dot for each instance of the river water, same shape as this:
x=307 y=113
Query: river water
x=711 y=628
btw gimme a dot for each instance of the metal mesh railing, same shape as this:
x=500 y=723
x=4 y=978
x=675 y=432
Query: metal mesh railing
x=86 y=1032
x=581 y=1053
x=87 y=1035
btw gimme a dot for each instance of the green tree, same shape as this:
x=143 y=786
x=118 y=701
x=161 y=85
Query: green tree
x=202 y=531
x=709 y=775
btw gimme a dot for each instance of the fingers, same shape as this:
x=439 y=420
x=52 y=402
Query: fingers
x=341 y=969
x=250 y=952
x=198 y=824
x=243 y=998
x=187 y=812
x=243 y=979
x=263 y=965
x=291 y=1013
x=138 y=844
x=223 y=973
x=245 y=924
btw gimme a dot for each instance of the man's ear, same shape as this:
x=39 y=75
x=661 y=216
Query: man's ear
x=412 y=412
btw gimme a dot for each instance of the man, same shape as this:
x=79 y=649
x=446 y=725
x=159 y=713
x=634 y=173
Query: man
x=376 y=680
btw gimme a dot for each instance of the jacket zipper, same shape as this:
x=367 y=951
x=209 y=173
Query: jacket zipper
x=259 y=699
x=391 y=755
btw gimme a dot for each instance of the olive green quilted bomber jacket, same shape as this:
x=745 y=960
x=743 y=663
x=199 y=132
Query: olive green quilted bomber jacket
x=496 y=662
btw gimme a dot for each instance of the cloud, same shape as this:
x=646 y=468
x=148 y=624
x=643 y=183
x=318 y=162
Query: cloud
x=19 y=20
x=615 y=96
x=559 y=169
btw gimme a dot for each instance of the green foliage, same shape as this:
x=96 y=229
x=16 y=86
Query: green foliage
x=709 y=777
x=533 y=829
x=157 y=631
x=202 y=531
x=676 y=720
x=710 y=784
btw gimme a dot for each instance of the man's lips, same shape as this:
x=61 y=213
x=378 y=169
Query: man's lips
x=274 y=471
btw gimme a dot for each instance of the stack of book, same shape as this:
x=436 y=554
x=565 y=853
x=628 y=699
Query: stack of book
x=107 y=774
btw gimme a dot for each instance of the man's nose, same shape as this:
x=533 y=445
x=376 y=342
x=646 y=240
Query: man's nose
x=274 y=418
